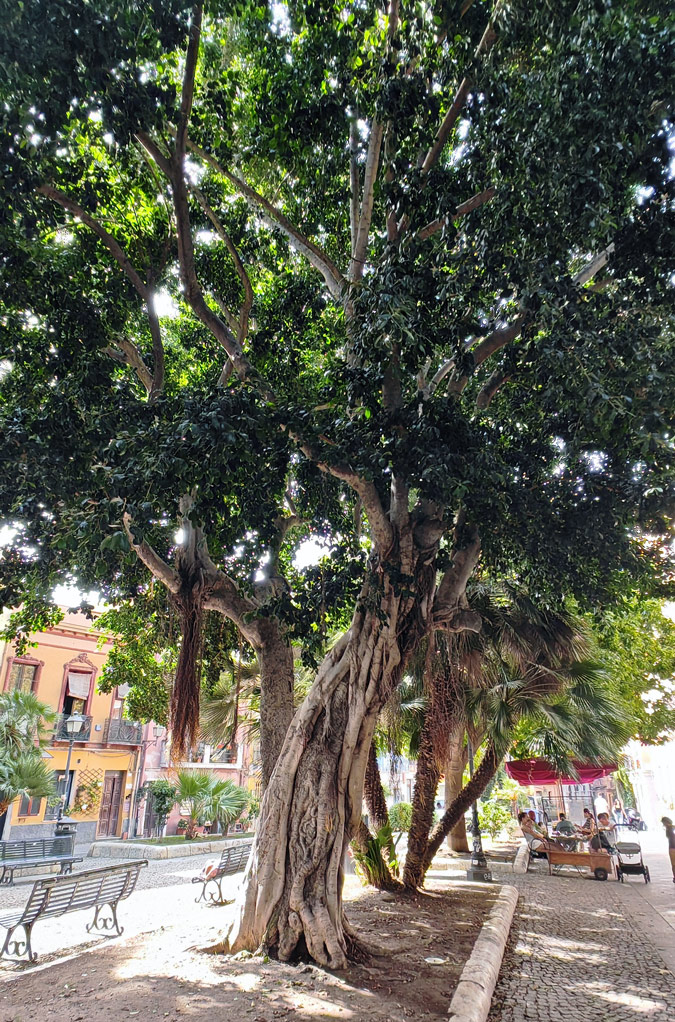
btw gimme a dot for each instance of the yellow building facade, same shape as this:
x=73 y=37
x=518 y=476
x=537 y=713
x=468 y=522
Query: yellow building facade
x=97 y=790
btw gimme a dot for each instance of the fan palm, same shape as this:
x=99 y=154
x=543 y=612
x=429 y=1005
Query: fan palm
x=206 y=796
x=220 y=712
x=518 y=638
x=565 y=714
x=23 y=733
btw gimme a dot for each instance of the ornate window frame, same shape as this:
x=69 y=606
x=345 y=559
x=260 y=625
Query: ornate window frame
x=30 y=661
x=81 y=664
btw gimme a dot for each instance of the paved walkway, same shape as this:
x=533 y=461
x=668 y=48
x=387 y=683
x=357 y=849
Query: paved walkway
x=582 y=950
x=164 y=895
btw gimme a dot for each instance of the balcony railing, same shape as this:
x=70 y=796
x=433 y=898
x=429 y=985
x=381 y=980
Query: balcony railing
x=122 y=732
x=61 y=731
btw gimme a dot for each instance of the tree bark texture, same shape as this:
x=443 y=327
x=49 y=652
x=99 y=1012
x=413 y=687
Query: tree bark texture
x=373 y=793
x=276 y=692
x=426 y=782
x=291 y=900
x=469 y=793
x=454 y=775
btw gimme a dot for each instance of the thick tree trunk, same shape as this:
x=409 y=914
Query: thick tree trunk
x=373 y=793
x=424 y=796
x=454 y=775
x=291 y=899
x=292 y=895
x=469 y=793
x=276 y=693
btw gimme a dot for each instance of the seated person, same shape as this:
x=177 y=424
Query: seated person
x=606 y=836
x=564 y=826
x=536 y=827
x=588 y=826
x=566 y=833
x=537 y=841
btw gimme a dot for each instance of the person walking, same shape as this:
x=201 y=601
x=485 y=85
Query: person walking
x=670 y=834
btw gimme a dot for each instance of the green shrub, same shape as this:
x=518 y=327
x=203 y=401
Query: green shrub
x=493 y=817
x=400 y=816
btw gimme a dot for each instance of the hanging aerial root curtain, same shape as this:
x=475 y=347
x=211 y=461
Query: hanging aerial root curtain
x=539 y=771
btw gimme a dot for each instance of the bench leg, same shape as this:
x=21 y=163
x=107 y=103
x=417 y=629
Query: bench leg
x=66 y=867
x=202 y=895
x=7 y=878
x=19 y=948
x=106 y=923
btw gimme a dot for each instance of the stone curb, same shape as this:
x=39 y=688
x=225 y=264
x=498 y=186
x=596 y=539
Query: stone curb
x=129 y=850
x=473 y=996
x=522 y=859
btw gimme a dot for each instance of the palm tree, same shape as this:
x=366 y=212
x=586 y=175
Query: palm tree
x=208 y=797
x=225 y=803
x=516 y=634
x=23 y=733
x=220 y=713
x=562 y=715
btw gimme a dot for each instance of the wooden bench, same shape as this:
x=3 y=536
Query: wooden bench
x=54 y=896
x=39 y=852
x=232 y=861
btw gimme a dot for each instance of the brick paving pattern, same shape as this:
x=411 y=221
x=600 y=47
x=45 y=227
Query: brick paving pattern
x=575 y=954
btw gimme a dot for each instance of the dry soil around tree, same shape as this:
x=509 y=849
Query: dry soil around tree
x=162 y=974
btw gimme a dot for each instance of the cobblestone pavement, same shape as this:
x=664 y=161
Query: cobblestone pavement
x=577 y=953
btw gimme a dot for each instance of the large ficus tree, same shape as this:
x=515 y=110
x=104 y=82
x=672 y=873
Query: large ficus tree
x=420 y=256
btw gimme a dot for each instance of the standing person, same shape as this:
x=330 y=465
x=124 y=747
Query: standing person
x=670 y=834
x=617 y=812
x=600 y=803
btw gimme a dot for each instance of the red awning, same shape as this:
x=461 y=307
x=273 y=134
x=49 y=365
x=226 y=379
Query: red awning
x=539 y=771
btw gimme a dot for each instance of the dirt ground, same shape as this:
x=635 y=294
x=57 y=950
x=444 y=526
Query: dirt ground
x=161 y=974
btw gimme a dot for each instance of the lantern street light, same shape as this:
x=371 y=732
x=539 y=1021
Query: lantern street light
x=478 y=870
x=74 y=725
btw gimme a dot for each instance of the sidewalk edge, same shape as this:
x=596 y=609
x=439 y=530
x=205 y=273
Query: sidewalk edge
x=473 y=996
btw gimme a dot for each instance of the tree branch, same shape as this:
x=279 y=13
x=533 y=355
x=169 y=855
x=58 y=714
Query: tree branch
x=354 y=182
x=187 y=94
x=504 y=335
x=452 y=115
x=151 y=559
x=380 y=525
x=370 y=176
x=108 y=240
x=245 y=310
x=451 y=609
x=596 y=264
x=314 y=255
x=488 y=391
x=129 y=354
x=157 y=351
x=464 y=207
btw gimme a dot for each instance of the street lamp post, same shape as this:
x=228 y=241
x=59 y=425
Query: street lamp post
x=478 y=870
x=74 y=725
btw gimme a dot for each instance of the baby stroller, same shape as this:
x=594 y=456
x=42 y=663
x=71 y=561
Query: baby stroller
x=630 y=861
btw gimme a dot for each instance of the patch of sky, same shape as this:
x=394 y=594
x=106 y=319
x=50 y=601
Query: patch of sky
x=310 y=552
x=164 y=305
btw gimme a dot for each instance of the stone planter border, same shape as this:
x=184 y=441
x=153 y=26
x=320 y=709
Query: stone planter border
x=473 y=996
x=130 y=850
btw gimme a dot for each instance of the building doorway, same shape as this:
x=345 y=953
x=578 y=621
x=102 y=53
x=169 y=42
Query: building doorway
x=108 y=818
